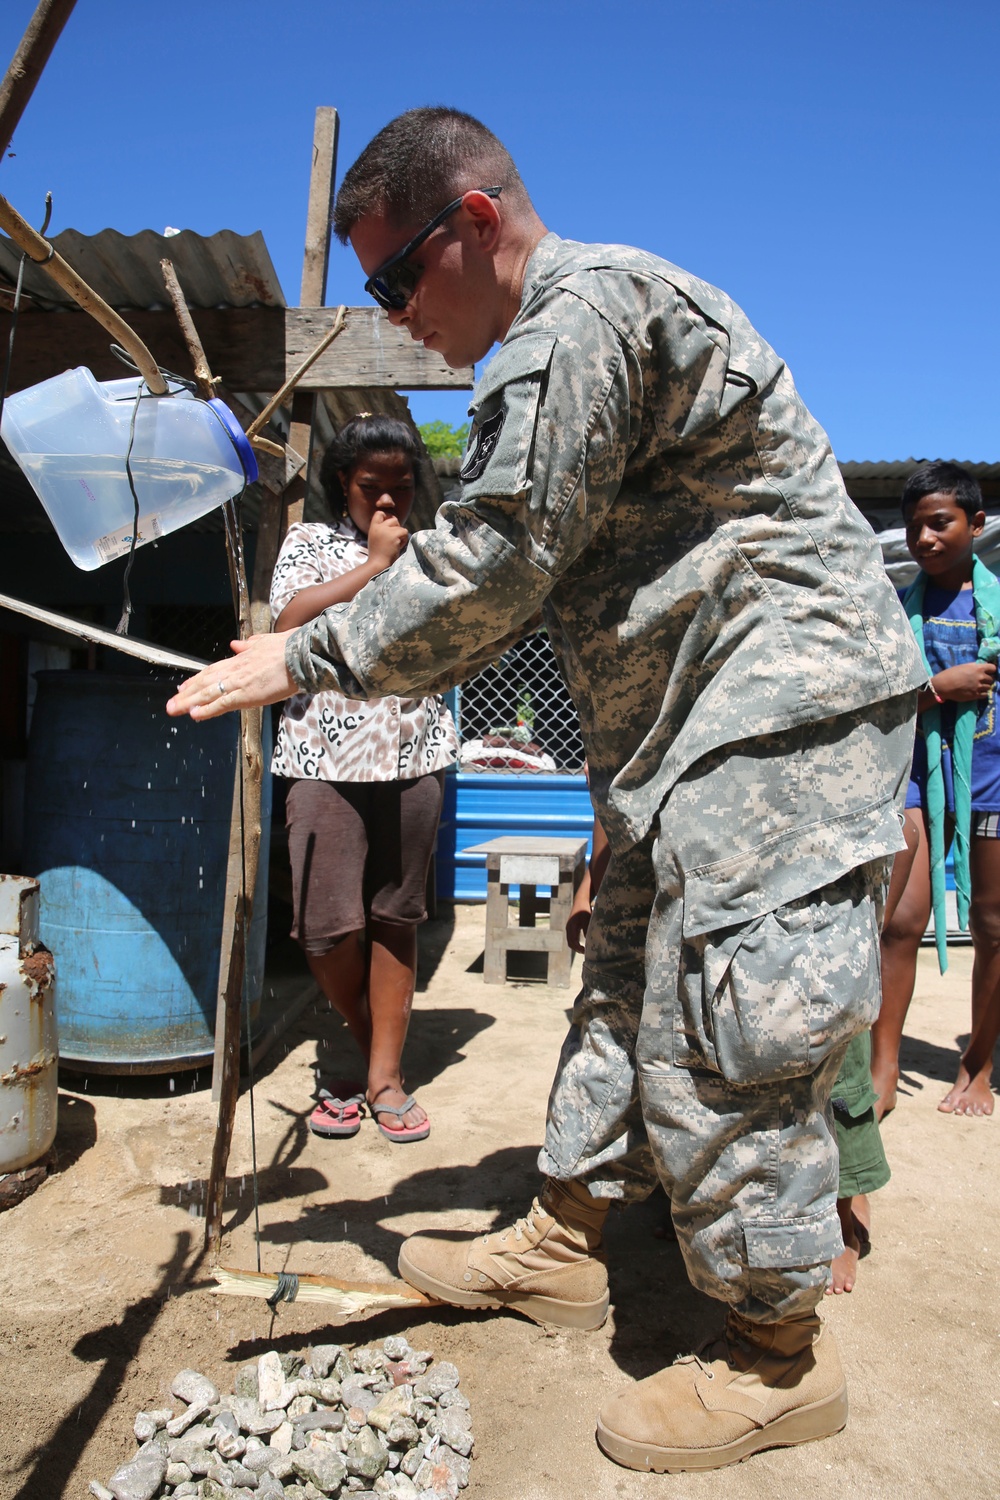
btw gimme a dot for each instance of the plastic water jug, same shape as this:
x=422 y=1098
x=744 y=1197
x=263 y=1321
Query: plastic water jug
x=72 y=436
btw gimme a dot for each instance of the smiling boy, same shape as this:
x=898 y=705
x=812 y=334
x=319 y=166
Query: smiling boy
x=955 y=604
x=642 y=468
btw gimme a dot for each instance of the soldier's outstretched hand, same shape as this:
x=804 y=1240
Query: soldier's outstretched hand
x=255 y=675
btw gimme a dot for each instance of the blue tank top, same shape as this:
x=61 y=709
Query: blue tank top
x=949 y=641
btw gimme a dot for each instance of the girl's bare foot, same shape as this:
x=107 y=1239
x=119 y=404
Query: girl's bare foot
x=391 y=1093
x=969 y=1096
x=854 y=1214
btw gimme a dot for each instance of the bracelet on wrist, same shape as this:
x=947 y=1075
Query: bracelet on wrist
x=933 y=691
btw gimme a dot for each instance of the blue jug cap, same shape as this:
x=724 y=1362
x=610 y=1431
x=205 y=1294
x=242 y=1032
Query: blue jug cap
x=240 y=440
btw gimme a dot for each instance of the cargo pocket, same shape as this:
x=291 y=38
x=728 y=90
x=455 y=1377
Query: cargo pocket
x=771 y=999
x=775 y=1249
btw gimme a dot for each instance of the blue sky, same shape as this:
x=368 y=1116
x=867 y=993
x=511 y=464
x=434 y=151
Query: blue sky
x=833 y=166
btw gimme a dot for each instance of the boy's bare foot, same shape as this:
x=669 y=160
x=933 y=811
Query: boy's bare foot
x=855 y=1217
x=969 y=1096
x=884 y=1082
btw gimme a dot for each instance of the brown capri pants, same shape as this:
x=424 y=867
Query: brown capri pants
x=359 y=850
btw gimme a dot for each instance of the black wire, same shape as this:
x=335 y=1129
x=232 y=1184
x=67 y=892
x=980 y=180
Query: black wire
x=122 y=627
x=126 y=359
x=17 y=302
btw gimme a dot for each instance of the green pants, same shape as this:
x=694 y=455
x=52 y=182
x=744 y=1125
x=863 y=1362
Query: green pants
x=863 y=1167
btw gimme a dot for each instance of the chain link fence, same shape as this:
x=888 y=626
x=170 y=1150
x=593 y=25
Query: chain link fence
x=203 y=630
x=517 y=715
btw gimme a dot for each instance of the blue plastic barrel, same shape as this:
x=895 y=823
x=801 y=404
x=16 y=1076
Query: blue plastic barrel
x=127 y=824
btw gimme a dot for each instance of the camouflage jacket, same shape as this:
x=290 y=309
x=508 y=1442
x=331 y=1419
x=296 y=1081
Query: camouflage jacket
x=640 y=466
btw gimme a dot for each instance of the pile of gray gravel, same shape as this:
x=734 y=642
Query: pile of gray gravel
x=375 y=1421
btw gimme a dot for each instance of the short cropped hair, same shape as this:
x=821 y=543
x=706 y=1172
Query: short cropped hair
x=356 y=440
x=418 y=163
x=942 y=477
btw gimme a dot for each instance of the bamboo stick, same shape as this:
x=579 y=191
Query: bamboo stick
x=347 y=1299
x=157 y=656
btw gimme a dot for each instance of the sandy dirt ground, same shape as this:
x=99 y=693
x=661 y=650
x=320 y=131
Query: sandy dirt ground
x=105 y=1290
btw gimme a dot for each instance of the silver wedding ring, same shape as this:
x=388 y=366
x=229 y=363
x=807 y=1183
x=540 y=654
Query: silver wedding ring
x=222 y=689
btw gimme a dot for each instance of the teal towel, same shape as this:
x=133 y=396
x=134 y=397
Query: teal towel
x=986 y=601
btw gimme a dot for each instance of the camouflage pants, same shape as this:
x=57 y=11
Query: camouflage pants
x=704 y=1056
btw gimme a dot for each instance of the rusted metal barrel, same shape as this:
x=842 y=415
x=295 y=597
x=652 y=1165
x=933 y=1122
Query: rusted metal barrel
x=127 y=826
x=29 y=1049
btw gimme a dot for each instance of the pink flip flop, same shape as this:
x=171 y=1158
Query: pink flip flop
x=338 y=1113
x=406 y=1132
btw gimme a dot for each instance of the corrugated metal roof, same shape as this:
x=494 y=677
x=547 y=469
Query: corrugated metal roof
x=216 y=270
x=902 y=468
x=877 y=487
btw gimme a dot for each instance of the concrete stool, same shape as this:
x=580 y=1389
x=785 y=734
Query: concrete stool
x=529 y=863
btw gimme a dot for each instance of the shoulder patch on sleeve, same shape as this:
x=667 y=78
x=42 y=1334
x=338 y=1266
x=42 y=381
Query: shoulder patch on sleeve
x=484 y=444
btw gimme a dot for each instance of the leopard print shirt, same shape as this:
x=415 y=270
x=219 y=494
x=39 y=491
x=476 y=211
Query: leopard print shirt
x=325 y=736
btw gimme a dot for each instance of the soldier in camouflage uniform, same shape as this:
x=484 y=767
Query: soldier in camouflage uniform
x=643 y=470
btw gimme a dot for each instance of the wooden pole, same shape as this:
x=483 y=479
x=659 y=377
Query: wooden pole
x=46 y=255
x=244 y=845
x=271 y=527
x=28 y=63
x=316 y=256
x=315 y=261
x=275 y=519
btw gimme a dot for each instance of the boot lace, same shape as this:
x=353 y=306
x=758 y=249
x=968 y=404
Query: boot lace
x=522 y=1227
x=715 y=1348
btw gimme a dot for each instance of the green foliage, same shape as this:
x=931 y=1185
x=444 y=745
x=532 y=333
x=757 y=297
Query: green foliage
x=444 y=441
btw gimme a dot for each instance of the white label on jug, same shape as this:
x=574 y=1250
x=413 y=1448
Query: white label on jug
x=117 y=543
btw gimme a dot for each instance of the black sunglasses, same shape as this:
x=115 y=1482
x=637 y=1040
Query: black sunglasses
x=393 y=283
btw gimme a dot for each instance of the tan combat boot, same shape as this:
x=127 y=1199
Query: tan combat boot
x=761 y=1385
x=549 y=1265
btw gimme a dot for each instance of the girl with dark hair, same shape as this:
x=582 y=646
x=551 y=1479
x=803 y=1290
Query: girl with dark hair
x=366 y=784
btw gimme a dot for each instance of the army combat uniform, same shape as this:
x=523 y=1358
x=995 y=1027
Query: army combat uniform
x=641 y=467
